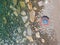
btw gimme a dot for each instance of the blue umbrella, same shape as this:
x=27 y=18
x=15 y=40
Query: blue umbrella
x=45 y=19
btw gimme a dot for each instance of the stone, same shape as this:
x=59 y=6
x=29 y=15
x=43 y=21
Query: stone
x=30 y=6
x=22 y=4
x=17 y=41
x=43 y=41
x=32 y=16
x=37 y=35
x=27 y=1
x=23 y=40
x=15 y=2
x=29 y=38
x=40 y=3
x=5 y=20
x=46 y=1
x=26 y=25
x=13 y=8
x=34 y=8
x=29 y=31
x=25 y=18
x=24 y=33
x=16 y=14
x=23 y=13
x=19 y=29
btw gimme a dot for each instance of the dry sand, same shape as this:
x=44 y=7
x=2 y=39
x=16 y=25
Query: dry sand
x=56 y=17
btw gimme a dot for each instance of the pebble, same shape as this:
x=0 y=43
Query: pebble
x=17 y=41
x=30 y=6
x=16 y=14
x=23 y=40
x=46 y=1
x=12 y=22
x=32 y=16
x=8 y=13
x=37 y=35
x=34 y=8
x=43 y=41
x=22 y=4
x=5 y=20
x=13 y=8
x=19 y=29
x=26 y=25
x=24 y=33
x=40 y=3
x=23 y=13
x=27 y=1
x=25 y=18
x=30 y=38
x=29 y=31
x=15 y=2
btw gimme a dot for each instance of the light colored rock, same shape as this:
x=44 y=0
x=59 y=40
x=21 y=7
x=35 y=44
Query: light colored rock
x=46 y=1
x=15 y=2
x=37 y=35
x=43 y=41
x=34 y=8
x=19 y=29
x=23 y=40
x=16 y=14
x=25 y=18
x=17 y=41
x=27 y=1
x=32 y=16
x=24 y=33
x=22 y=4
x=13 y=8
x=29 y=31
x=23 y=13
x=40 y=3
x=29 y=38
x=30 y=6
x=26 y=25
